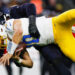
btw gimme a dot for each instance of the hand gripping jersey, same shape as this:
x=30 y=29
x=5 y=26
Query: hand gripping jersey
x=44 y=26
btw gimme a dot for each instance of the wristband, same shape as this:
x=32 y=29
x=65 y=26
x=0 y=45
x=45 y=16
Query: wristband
x=20 y=61
x=13 y=48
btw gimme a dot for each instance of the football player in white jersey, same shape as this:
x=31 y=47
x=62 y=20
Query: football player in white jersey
x=51 y=31
x=17 y=31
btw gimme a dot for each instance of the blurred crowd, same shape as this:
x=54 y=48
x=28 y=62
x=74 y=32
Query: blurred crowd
x=49 y=8
x=46 y=7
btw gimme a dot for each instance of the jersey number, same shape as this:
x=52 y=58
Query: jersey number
x=29 y=41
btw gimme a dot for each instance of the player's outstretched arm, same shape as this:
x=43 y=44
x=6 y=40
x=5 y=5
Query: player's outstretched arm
x=21 y=56
x=25 y=61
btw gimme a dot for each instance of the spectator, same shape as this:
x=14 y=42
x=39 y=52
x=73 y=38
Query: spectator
x=50 y=4
x=38 y=4
x=67 y=4
x=49 y=7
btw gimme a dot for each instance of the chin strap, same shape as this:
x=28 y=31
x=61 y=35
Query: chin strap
x=32 y=27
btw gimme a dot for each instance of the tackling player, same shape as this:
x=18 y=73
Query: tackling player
x=20 y=11
x=53 y=28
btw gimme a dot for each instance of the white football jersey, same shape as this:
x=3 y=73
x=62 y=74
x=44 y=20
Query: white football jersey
x=44 y=26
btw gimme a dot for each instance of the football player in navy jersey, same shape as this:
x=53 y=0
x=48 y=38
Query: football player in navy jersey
x=20 y=11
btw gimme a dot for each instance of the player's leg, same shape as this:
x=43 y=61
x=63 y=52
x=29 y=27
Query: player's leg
x=29 y=10
x=20 y=70
x=62 y=25
x=48 y=68
x=52 y=55
x=9 y=69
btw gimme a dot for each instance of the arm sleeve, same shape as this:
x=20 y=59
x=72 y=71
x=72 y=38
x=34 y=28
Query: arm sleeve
x=11 y=47
x=9 y=44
